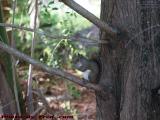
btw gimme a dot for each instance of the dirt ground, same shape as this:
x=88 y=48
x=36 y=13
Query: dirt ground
x=63 y=97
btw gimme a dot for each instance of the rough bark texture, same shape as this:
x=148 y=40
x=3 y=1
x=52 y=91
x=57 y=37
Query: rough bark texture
x=7 y=98
x=131 y=61
x=7 y=101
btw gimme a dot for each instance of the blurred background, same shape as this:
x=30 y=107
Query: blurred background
x=62 y=35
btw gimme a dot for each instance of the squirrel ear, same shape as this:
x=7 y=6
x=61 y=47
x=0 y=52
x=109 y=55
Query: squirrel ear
x=76 y=58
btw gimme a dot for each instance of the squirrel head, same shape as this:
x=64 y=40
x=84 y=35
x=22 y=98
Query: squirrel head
x=81 y=63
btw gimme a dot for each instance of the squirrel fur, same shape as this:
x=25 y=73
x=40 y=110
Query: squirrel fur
x=89 y=67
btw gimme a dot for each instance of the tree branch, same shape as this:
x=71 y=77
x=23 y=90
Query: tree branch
x=71 y=38
x=52 y=71
x=33 y=8
x=92 y=18
x=14 y=3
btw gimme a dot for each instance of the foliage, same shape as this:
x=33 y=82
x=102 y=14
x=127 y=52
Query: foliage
x=73 y=90
x=60 y=23
x=57 y=20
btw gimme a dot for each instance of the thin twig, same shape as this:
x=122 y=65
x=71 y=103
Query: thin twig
x=29 y=90
x=92 y=18
x=52 y=71
x=37 y=110
x=89 y=40
x=14 y=2
x=44 y=101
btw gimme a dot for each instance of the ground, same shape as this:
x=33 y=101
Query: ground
x=62 y=95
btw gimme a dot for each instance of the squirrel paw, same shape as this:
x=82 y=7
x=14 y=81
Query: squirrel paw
x=85 y=81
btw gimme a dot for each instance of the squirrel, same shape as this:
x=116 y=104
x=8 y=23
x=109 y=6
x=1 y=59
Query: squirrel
x=91 y=68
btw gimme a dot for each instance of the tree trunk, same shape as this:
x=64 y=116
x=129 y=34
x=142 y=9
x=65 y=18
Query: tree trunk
x=131 y=61
x=7 y=95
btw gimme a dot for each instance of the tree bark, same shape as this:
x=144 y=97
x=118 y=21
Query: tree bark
x=131 y=61
x=7 y=97
x=8 y=103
